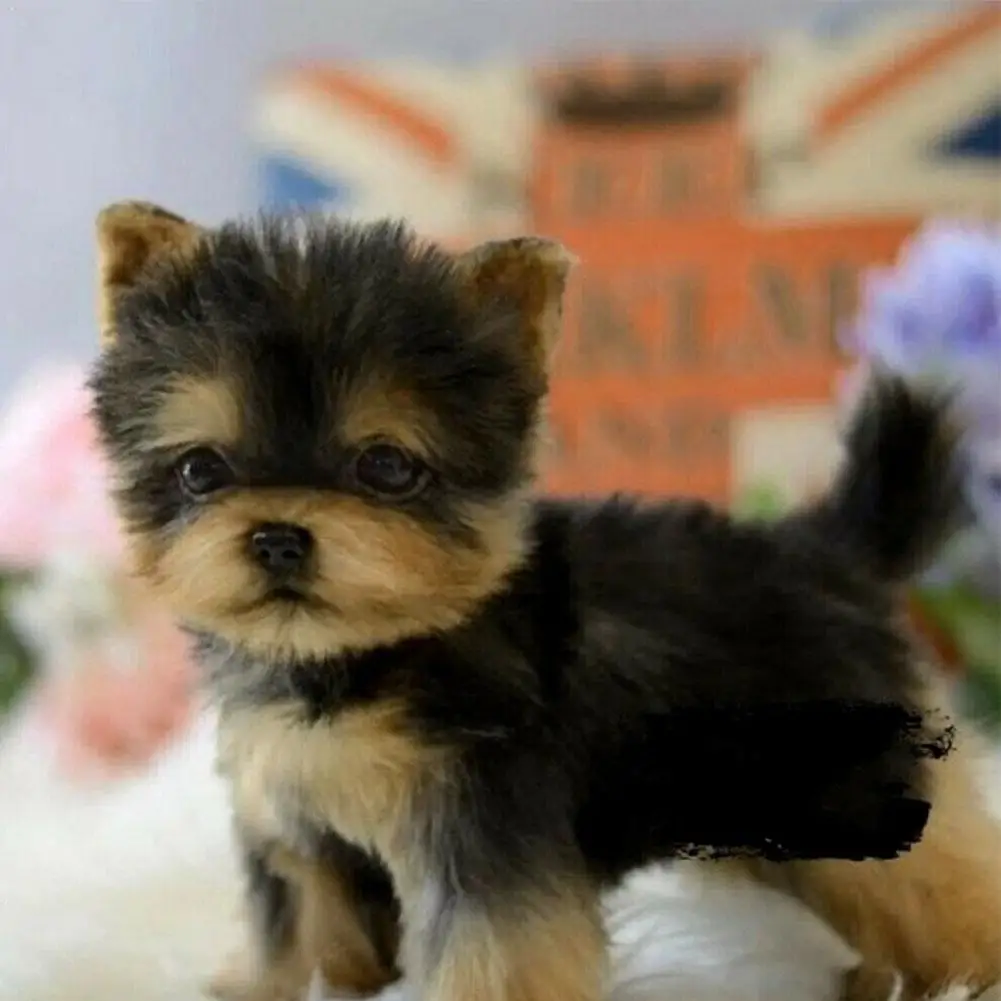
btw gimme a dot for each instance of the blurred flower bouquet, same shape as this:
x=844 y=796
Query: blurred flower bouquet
x=936 y=318
x=111 y=672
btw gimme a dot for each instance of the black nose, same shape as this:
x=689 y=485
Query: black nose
x=280 y=549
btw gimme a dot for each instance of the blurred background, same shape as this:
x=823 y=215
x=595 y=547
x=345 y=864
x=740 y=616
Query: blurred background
x=731 y=173
x=766 y=197
x=158 y=99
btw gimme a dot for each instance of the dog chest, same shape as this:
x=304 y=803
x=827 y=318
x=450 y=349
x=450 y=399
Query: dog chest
x=356 y=773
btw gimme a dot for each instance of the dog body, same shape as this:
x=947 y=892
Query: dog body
x=451 y=714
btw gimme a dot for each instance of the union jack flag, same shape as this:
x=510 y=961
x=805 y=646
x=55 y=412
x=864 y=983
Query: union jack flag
x=903 y=115
x=446 y=146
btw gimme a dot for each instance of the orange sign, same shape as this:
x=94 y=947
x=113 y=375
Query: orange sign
x=673 y=327
x=686 y=310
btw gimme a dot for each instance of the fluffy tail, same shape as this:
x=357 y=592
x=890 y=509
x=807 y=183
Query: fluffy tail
x=897 y=495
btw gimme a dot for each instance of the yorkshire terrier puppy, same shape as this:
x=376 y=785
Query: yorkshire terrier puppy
x=452 y=713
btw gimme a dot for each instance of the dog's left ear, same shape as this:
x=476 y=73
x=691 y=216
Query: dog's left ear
x=529 y=272
x=130 y=237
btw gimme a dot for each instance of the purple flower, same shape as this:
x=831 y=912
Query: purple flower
x=937 y=315
x=939 y=307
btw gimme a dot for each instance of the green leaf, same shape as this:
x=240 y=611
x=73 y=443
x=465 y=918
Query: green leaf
x=973 y=622
x=971 y=619
x=760 y=502
x=17 y=666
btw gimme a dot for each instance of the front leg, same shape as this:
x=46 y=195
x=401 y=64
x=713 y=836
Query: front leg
x=529 y=944
x=273 y=967
x=331 y=915
x=498 y=906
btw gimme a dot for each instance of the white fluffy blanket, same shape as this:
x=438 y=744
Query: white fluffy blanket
x=129 y=893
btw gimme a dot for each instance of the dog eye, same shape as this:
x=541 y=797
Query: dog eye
x=202 y=471
x=389 y=471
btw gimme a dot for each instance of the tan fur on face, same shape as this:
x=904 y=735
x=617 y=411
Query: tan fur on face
x=377 y=410
x=130 y=237
x=381 y=576
x=552 y=947
x=357 y=773
x=198 y=412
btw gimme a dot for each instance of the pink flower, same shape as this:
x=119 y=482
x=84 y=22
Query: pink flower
x=53 y=480
x=105 y=718
x=115 y=692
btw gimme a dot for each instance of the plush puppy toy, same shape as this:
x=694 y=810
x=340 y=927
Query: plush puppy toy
x=452 y=712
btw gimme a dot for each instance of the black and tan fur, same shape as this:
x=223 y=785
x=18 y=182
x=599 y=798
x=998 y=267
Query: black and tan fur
x=476 y=711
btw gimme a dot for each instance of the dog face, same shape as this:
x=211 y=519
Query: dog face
x=321 y=433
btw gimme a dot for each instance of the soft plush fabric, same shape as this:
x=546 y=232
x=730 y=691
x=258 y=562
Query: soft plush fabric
x=129 y=892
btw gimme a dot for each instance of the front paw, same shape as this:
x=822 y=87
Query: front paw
x=238 y=980
x=873 y=983
x=230 y=981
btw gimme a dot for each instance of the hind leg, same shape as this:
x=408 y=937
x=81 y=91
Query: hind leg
x=932 y=916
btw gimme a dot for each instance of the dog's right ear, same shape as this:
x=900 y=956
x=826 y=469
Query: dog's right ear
x=531 y=273
x=130 y=236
